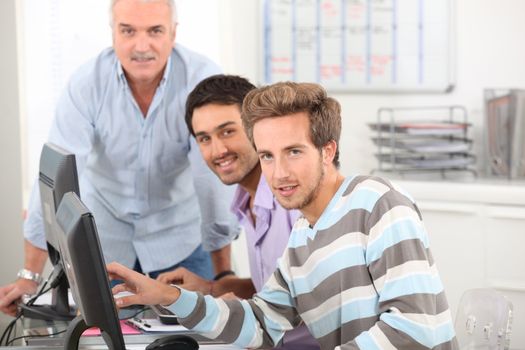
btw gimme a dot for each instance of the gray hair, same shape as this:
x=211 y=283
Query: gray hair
x=170 y=3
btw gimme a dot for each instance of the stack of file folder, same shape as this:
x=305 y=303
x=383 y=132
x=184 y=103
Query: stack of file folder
x=422 y=145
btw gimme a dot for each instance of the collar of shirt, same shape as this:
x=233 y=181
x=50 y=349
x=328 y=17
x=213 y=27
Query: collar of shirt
x=122 y=76
x=262 y=205
x=263 y=198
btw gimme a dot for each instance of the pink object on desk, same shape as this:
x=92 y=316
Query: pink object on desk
x=126 y=329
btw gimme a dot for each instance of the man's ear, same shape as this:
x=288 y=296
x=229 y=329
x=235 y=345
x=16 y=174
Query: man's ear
x=173 y=33
x=329 y=152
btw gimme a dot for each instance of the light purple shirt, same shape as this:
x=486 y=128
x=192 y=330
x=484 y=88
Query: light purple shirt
x=266 y=243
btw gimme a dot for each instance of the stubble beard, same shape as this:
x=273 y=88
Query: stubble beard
x=310 y=196
x=238 y=176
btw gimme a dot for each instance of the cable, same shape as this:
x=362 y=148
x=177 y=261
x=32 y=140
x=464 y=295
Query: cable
x=9 y=329
x=34 y=336
x=7 y=332
x=141 y=310
x=12 y=325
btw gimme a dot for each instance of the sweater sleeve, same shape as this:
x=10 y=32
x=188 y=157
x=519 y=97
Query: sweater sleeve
x=254 y=323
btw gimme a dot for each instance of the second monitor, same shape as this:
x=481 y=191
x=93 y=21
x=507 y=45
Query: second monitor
x=85 y=268
x=57 y=176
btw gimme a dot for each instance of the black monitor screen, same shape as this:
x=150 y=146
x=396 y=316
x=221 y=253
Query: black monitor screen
x=86 y=271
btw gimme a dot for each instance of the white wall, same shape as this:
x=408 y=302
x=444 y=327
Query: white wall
x=10 y=149
x=489 y=53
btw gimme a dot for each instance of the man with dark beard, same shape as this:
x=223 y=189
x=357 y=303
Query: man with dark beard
x=213 y=117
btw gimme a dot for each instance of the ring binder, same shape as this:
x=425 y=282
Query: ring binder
x=505 y=130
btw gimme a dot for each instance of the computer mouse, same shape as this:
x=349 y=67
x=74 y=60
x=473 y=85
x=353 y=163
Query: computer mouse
x=174 y=342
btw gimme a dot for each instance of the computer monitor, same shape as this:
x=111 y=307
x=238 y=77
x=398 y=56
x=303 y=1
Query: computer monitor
x=85 y=268
x=57 y=176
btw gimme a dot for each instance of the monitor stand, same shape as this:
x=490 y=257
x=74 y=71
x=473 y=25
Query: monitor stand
x=59 y=310
x=75 y=330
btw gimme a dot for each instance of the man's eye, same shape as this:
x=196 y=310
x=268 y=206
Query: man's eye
x=157 y=31
x=265 y=157
x=227 y=132
x=295 y=152
x=127 y=31
x=203 y=139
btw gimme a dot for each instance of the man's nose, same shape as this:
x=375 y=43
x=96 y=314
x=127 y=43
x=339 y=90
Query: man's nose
x=142 y=43
x=218 y=148
x=280 y=170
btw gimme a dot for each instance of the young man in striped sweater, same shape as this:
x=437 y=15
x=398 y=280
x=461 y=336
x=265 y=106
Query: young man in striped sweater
x=357 y=271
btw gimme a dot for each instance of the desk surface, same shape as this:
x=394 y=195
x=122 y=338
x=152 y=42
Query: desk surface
x=133 y=342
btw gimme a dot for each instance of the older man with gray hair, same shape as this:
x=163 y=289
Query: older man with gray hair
x=157 y=204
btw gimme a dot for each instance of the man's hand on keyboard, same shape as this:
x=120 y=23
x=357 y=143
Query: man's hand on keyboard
x=187 y=280
x=142 y=289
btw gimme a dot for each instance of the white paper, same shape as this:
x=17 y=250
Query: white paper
x=154 y=325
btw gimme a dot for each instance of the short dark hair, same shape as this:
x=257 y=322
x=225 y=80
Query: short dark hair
x=285 y=98
x=218 y=89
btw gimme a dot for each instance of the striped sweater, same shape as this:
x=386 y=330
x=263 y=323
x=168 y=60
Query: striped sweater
x=361 y=278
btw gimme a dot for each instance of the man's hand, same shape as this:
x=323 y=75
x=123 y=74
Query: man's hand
x=227 y=287
x=11 y=295
x=146 y=291
x=186 y=279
